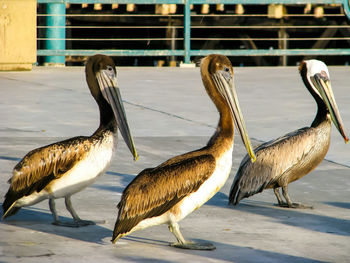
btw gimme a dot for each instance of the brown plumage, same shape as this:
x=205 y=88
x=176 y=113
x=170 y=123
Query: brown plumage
x=61 y=169
x=39 y=167
x=150 y=201
x=167 y=193
x=292 y=156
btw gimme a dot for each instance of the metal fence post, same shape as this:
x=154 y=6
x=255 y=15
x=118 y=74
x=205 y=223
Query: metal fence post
x=55 y=32
x=346 y=6
x=187 y=31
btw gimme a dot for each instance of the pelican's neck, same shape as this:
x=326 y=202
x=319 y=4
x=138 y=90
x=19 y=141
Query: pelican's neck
x=225 y=126
x=107 y=119
x=322 y=110
x=106 y=113
x=224 y=133
x=223 y=136
x=321 y=115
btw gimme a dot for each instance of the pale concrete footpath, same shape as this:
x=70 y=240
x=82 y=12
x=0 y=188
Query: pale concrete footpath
x=170 y=113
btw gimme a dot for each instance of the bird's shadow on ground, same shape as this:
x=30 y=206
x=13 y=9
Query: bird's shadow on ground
x=339 y=204
x=223 y=251
x=41 y=221
x=302 y=218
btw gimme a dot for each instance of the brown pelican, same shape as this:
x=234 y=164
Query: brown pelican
x=169 y=192
x=290 y=157
x=64 y=168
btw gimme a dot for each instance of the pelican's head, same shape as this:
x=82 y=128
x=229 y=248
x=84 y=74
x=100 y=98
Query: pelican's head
x=316 y=77
x=217 y=75
x=101 y=77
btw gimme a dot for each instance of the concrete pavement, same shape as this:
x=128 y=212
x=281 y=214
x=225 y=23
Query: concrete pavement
x=170 y=113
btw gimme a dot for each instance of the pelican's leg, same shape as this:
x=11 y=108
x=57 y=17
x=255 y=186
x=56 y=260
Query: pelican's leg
x=77 y=221
x=57 y=222
x=290 y=204
x=182 y=243
x=286 y=196
x=52 y=206
x=278 y=195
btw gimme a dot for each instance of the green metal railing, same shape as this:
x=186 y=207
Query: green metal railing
x=55 y=43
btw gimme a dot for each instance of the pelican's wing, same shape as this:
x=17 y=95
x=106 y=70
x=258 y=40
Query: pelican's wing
x=40 y=166
x=155 y=191
x=273 y=160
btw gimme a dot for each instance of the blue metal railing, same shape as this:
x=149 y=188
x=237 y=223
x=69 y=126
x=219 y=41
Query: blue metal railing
x=56 y=31
x=55 y=43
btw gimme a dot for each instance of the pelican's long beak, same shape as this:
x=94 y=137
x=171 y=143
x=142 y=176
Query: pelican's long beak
x=107 y=81
x=324 y=87
x=225 y=84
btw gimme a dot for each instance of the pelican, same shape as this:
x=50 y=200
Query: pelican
x=169 y=192
x=64 y=168
x=292 y=156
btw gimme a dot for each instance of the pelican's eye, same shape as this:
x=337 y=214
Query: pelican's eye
x=111 y=71
x=324 y=74
x=226 y=73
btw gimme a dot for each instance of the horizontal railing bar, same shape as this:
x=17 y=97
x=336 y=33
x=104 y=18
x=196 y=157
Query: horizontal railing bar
x=273 y=52
x=272 y=39
x=266 y=2
x=165 y=52
x=181 y=15
x=204 y=27
x=112 y=15
x=199 y=39
x=111 y=1
x=111 y=52
x=109 y=27
x=112 y=39
x=276 y=26
x=261 y=15
x=245 y=2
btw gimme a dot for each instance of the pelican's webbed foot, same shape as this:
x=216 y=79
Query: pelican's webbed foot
x=193 y=245
x=75 y=223
x=289 y=203
x=296 y=205
x=182 y=243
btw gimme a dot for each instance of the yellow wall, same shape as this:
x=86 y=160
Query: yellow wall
x=17 y=34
